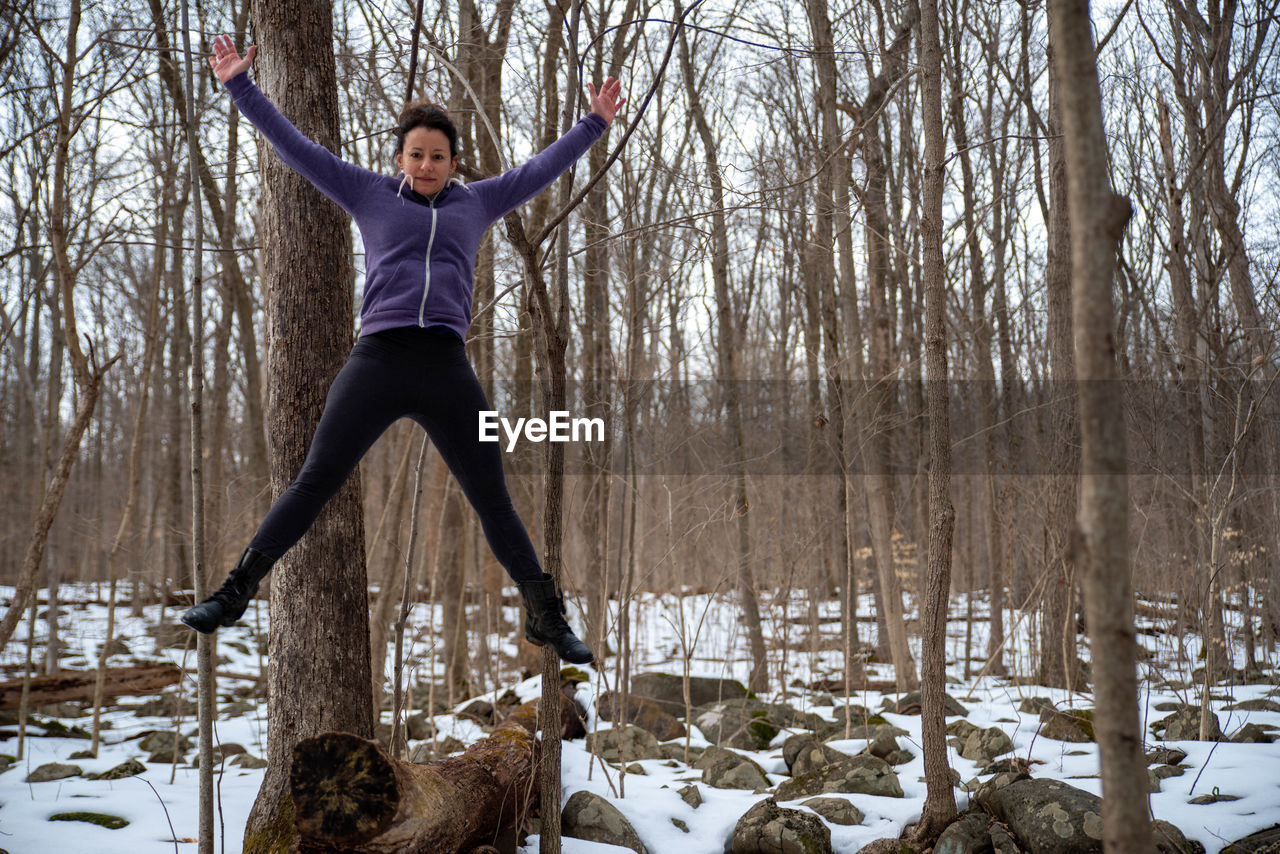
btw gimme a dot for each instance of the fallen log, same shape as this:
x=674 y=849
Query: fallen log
x=69 y=685
x=350 y=795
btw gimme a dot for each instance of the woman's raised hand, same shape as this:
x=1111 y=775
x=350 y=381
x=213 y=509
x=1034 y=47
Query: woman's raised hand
x=226 y=62
x=608 y=100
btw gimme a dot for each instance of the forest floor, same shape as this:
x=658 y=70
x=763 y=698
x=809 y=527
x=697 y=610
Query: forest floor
x=160 y=804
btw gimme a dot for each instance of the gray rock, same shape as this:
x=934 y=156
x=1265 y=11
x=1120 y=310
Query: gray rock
x=1165 y=756
x=675 y=750
x=248 y=761
x=1265 y=841
x=1035 y=705
x=1184 y=725
x=237 y=709
x=420 y=726
x=749 y=724
x=804 y=754
x=691 y=795
x=668 y=690
x=909 y=704
x=588 y=816
x=51 y=771
x=1014 y=764
x=961 y=729
x=167 y=756
x=1051 y=817
x=166 y=706
x=724 y=769
x=1252 y=734
x=890 y=846
x=163 y=739
x=984 y=745
x=646 y=713
x=835 y=810
x=623 y=744
x=1075 y=725
x=970 y=834
x=1215 y=797
x=128 y=768
x=1164 y=772
x=680 y=824
x=863 y=774
x=1261 y=705
x=767 y=828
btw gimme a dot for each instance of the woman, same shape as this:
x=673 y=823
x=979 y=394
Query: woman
x=421 y=235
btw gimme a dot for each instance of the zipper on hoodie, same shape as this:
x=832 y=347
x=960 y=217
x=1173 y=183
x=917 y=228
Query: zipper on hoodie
x=426 y=283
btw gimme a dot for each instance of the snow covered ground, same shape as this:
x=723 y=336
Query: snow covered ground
x=161 y=804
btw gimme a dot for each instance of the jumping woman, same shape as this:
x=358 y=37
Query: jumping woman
x=422 y=230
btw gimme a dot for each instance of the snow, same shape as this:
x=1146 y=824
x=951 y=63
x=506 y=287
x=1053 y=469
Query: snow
x=162 y=804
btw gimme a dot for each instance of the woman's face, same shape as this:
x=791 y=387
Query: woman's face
x=426 y=160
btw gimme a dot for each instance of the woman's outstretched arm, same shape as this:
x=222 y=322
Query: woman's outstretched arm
x=341 y=181
x=506 y=192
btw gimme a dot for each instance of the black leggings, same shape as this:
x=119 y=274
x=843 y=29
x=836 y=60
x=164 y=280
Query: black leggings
x=422 y=374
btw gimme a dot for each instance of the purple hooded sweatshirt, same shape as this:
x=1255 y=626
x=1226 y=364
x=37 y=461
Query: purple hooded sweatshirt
x=419 y=252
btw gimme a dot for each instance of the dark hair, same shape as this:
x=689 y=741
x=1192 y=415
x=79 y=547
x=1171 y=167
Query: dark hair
x=424 y=114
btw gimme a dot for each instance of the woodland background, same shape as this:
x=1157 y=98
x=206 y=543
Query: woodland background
x=743 y=301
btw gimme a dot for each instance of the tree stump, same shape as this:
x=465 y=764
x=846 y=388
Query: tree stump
x=350 y=795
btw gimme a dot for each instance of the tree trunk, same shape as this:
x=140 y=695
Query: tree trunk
x=1098 y=220
x=940 y=802
x=318 y=678
x=78 y=685
x=351 y=796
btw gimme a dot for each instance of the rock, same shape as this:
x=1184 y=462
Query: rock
x=863 y=774
x=62 y=710
x=890 y=846
x=835 y=810
x=984 y=745
x=166 y=706
x=237 y=709
x=1074 y=725
x=1252 y=734
x=623 y=744
x=961 y=729
x=1035 y=705
x=1165 y=756
x=1164 y=772
x=1215 y=797
x=668 y=690
x=749 y=724
x=480 y=711
x=82 y=754
x=1266 y=841
x=588 y=816
x=167 y=756
x=420 y=727
x=1261 y=705
x=691 y=795
x=646 y=713
x=163 y=739
x=909 y=704
x=248 y=761
x=128 y=768
x=680 y=824
x=804 y=754
x=111 y=822
x=1184 y=725
x=724 y=769
x=767 y=828
x=970 y=834
x=51 y=771
x=869 y=732
x=675 y=750
x=1010 y=764
x=1051 y=817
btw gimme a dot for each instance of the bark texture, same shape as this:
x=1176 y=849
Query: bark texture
x=1098 y=220
x=319 y=666
x=350 y=795
x=78 y=685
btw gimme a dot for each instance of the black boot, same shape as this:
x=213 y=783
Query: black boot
x=229 y=601
x=544 y=621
